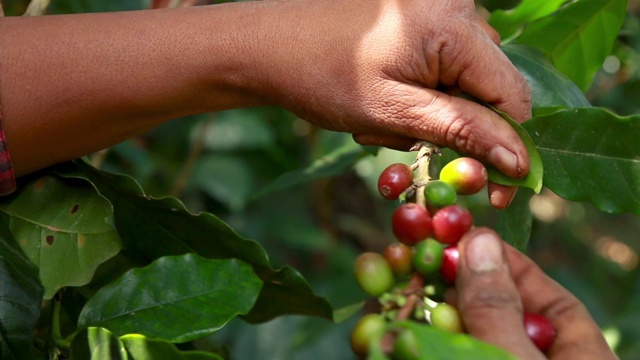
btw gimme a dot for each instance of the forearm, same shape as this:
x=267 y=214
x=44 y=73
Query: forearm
x=73 y=84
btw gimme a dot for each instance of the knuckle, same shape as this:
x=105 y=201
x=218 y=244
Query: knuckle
x=459 y=133
x=491 y=298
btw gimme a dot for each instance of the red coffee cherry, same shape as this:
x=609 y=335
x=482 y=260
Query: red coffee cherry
x=450 y=223
x=540 y=330
x=411 y=223
x=466 y=175
x=449 y=269
x=398 y=256
x=394 y=180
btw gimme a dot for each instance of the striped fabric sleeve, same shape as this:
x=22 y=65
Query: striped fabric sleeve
x=7 y=177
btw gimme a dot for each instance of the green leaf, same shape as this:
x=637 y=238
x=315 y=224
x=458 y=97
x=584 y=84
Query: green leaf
x=514 y=222
x=20 y=297
x=226 y=178
x=140 y=348
x=549 y=87
x=508 y=22
x=152 y=228
x=64 y=228
x=176 y=298
x=440 y=345
x=579 y=37
x=237 y=130
x=533 y=180
x=343 y=313
x=333 y=163
x=591 y=155
x=97 y=343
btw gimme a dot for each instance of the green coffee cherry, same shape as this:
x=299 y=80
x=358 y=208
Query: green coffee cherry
x=446 y=317
x=440 y=194
x=427 y=257
x=373 y=273
x=369 y=327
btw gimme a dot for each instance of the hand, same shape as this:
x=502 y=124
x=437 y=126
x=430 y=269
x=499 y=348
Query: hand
x=496 y=283
x=75 y=84
x=373 y=68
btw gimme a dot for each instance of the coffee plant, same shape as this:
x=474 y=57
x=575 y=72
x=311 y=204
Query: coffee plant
x=418 y=296
x=234 y=235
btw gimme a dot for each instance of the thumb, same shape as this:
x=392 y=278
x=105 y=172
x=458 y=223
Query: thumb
x=488 y=298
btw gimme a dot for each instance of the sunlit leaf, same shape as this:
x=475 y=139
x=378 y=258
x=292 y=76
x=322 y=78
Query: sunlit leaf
x=176 y=298
x=579 y=37
x=533 y=180
x=95 y=343
x=591 y=155
x=434 y=344
x=64 y=227
x=140 y=348
x=507 y=22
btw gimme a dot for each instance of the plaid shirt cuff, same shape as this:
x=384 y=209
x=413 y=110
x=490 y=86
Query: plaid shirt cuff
x=7 y=177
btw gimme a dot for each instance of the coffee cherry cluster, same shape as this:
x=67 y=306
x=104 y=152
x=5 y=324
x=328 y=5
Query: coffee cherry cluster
x=410 y=277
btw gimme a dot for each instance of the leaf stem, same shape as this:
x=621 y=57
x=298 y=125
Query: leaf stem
x=56 y=339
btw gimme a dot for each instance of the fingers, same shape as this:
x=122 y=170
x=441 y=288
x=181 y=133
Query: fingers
x=467 y=128
x=496 y=283
x=501 y=196
x=389 y=141
x=491 y=32
x=480 y=68
x=488 y=298
x=578 y=336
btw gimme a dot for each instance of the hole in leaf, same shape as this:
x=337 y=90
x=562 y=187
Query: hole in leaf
x=49 y=239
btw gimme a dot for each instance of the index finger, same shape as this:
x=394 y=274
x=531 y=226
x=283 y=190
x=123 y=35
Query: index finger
x=578 y=336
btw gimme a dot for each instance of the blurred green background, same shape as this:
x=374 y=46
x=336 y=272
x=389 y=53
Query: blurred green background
x=220 y=162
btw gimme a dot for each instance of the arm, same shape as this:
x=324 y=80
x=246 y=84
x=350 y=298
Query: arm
x=74 y=84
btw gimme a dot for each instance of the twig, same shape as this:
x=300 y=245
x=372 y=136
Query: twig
x=37 y=7
x=194 y=153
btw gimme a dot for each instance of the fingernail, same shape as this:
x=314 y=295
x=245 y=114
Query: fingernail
x=504 y=159
x=484 y=253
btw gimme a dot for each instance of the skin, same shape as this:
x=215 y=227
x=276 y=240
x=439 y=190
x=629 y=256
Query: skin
x=493 y=293
x=74 y=84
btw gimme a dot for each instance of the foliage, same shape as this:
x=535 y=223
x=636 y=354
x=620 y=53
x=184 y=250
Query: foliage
x=120 y=255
